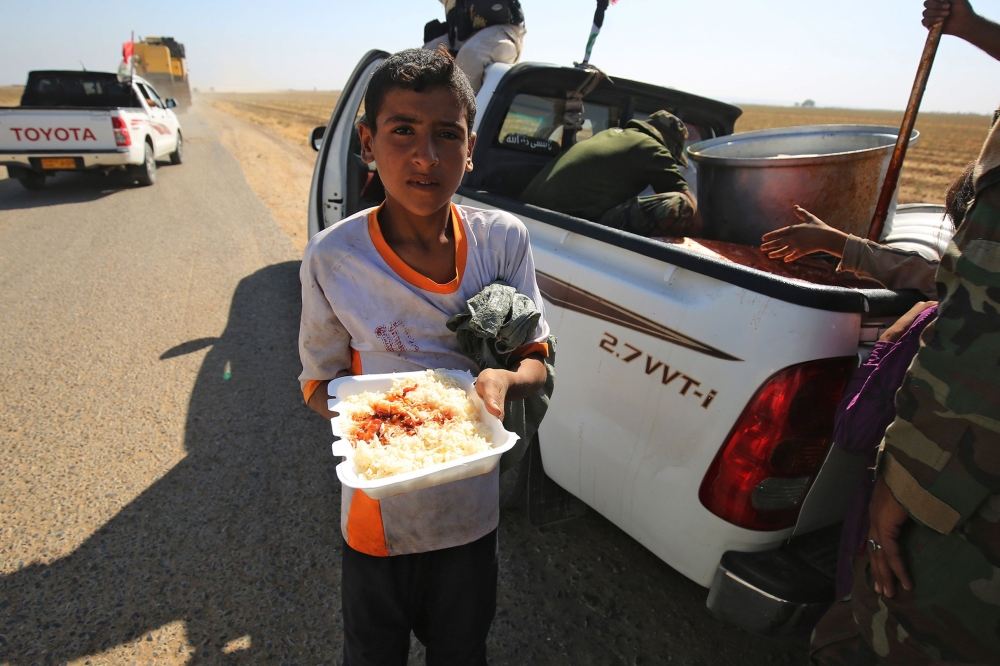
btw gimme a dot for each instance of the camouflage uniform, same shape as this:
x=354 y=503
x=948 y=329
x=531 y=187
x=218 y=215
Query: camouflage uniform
x=941 y=459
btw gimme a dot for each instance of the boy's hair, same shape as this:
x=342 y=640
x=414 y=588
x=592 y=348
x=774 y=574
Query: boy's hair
x=417 y=70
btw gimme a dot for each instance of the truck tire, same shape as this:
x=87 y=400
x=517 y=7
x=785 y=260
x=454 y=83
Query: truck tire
x=29 y=178
x=145 y=173
x=177 y=156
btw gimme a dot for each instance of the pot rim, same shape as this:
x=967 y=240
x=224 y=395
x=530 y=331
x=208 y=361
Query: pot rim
x=694 y=150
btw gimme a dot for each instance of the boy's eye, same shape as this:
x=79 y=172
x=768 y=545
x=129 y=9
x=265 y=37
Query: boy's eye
x=449 y=135
x=403 y=130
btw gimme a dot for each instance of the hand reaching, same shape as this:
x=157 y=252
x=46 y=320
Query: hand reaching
x=799 y=240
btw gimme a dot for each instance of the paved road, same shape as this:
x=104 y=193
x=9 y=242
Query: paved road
x=166 y=498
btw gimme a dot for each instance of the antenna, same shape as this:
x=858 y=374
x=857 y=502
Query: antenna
x=82 y=66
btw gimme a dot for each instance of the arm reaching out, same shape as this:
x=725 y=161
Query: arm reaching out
x=799 y=240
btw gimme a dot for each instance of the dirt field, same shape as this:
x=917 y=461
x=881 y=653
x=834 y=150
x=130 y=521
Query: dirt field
x=290 y=114
x=10 y=95
x=947 y=141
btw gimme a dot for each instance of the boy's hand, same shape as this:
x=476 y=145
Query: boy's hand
x=798 y=240
x=492 y=386
x=496 y=387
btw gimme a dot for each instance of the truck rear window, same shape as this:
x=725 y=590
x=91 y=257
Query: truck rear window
x=535 y=124
x=77 y=89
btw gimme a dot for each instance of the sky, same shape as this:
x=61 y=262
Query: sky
x=842 y=54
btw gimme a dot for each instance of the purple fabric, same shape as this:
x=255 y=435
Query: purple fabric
x=866 y=410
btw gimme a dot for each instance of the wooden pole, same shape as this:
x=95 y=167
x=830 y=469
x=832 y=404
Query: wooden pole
x=903 y=140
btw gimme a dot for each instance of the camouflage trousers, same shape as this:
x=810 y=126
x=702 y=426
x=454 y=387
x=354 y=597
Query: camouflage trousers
x=952 y=615
x=667 y=214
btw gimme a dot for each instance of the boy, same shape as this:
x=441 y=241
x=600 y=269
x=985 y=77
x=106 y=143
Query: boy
x=377 y=290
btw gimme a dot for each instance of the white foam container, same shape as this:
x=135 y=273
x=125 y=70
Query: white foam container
x=435 y=475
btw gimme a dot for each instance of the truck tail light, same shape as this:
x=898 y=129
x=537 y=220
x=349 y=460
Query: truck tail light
x=770 y=459
x=122 y=137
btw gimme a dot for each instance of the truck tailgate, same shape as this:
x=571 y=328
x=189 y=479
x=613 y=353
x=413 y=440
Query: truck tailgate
x=56 y=131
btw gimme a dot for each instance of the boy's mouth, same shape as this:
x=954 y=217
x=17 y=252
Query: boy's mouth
x=423 y=183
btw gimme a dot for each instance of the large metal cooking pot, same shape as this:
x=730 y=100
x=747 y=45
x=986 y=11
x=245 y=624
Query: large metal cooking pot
x=748 y=182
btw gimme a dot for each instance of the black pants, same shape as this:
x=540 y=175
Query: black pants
x=447 y=597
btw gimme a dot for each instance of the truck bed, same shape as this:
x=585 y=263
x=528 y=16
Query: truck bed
x=872 y=301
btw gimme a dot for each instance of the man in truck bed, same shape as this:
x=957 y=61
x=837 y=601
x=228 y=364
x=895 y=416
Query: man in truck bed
x=601 y=179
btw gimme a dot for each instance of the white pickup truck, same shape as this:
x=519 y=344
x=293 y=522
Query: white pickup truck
x=69 y=120
x=695 y=396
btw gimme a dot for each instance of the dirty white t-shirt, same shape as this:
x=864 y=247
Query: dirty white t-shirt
x=365 y=311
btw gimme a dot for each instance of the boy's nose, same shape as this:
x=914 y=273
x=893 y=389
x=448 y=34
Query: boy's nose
x=425 y=152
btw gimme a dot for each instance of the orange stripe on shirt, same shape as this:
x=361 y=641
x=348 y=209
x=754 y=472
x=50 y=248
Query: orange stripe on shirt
x=527 y=350
x=365 y=532
x=313 y=384
x=403 y=270
x=310 y=388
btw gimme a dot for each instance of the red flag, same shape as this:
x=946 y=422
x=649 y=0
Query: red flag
x=128 y=48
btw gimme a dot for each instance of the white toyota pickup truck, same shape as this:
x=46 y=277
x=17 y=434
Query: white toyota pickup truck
x=695 y=395
x=69 y=121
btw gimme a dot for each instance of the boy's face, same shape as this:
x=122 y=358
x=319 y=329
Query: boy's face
x=422 y=147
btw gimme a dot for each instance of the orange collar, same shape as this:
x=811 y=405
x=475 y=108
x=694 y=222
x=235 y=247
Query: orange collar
x=403 y=270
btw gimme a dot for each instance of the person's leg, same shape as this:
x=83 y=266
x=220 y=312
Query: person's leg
x=375 y=609
x=667 y=214
x=457 y=603
x=836 y=640
x=497 y=43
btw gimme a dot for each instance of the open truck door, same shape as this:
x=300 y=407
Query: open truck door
x=342 y=182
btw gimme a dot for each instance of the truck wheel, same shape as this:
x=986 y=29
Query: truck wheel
x=177 y=156
x=145 y=173
x=29 y=179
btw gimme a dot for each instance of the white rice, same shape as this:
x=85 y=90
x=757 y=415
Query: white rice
x=440 y=425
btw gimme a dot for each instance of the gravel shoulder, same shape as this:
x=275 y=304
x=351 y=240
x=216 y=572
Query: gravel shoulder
x=278 y=171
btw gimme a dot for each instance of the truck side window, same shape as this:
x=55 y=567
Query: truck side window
x=156 y=97
x=149 y=95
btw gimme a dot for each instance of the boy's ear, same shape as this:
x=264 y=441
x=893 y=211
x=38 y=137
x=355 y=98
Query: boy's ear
x=366 y=135
x=468 y=158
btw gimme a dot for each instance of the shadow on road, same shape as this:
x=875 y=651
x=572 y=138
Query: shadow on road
x=62 y=188
x=240 y=539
